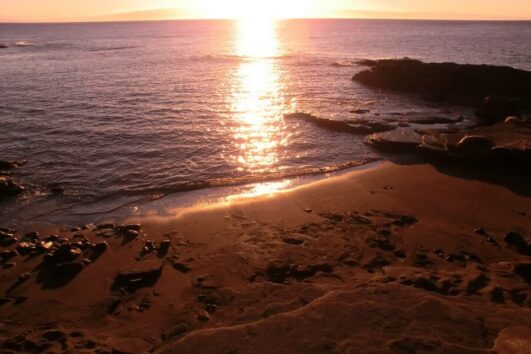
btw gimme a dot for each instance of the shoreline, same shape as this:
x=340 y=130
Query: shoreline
x=397 y=245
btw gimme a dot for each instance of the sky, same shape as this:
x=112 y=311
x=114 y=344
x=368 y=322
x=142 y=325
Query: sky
x=111 y=10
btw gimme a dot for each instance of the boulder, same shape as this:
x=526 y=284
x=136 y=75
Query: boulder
x=495 y=108
x=475 y=144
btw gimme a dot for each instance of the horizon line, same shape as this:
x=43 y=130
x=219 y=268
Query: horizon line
x=275 y=19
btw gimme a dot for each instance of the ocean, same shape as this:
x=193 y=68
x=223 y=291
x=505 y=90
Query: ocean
x=121 y=114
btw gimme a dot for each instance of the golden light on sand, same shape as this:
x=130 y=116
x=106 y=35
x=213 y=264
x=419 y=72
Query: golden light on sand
x=256 y=98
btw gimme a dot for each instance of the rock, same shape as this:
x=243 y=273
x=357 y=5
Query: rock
x=475 y=144
x=56 y=188
x=513 y=340
x=130 y=234
x=436 y=120
x=360 y=111
x=513 y=120
x=69 y=269
x=53 y=335
x=175 y=331
x=25 y=248
x=204 y=316
x=293 y=241
x=481 y=232
x=495 y=108
x=105 y=226
x=361 y=127
x=101 y=247
x=9 y=188
x=9 y=265
x=7 y=255
x=399 y=140
x=141 y=274
x=9 y=165
x=452 y=83
x=66 y=253
x=164 y=247
x=524 y=271
x=23 y=277
x=8 y=241
x=517 y=241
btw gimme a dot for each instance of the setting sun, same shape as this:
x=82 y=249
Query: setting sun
x=244 y=9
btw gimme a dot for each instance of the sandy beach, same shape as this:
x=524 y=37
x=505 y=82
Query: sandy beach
x=394 y=258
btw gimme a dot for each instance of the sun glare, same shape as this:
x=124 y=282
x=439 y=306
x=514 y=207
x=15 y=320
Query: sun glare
x=258 y=9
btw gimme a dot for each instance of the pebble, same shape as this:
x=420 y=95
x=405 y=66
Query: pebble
x=24 y=277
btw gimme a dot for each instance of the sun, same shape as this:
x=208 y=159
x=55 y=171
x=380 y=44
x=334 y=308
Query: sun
x=259 y=9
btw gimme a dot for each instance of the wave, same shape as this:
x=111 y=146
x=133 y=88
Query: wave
x=106 y=49
x=24 y=44
x=157 y=192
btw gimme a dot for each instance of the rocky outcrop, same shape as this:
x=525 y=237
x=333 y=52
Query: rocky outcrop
x=497 y=92
x=360 y=127
x=503 y=142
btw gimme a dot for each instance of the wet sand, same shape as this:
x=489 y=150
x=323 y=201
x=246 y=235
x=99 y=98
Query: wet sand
x=392 y=259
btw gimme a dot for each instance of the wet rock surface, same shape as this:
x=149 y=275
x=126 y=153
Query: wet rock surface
x=359 y=127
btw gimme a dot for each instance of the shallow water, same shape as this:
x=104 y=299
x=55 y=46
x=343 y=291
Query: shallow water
x=121 y=113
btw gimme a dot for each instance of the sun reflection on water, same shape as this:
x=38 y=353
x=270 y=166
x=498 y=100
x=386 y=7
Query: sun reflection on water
x=257 y=101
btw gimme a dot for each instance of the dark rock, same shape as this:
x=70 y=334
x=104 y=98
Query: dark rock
x=495 y=108
x=101 y=247
x=56 y=188
x=7 y=255
x=360 y=111
x=9 y=265
x=435 y=120
x=135 y=227
x=175 y=331
x=399 y=140
x=66 y=253
x=25 y=248
x=475 y=144
x=181 y=267
x=524 y=271
x=164 y=247
x=293 y=241
x=8 y=241
x=53 y=335
x=357 y=128
x=23 y=277
x=405 y=220
x=9 y=165
x=141 y=274
x=449 y=82
x=481 y=232
x=517 y=241
x=69 y=269
x=9 y=188
x=105 y=226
